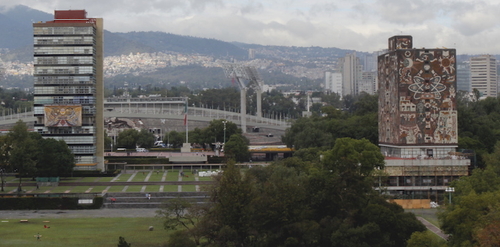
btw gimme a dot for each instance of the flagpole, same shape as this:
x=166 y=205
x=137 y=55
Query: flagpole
x=186 y=119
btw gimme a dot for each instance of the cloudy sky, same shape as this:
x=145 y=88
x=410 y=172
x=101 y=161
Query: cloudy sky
x=470 y=26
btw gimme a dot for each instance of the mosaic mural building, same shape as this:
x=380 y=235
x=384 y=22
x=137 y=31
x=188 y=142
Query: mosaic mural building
x=68 y=75
x=418 y=131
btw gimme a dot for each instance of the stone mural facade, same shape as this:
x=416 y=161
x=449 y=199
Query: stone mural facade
x=417 y=95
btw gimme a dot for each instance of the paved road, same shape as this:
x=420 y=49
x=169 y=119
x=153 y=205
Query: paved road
x=96 y=213
x=433 y=228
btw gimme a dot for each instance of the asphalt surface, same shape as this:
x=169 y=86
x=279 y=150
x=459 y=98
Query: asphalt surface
x=90 y=213
x=433 y=228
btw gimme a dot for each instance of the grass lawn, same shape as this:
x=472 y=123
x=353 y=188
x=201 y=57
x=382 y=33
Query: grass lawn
x=188 y=188
x=60 y=189
x=153 y=188
x=8 y=189
x=83 y=232
x=428 y=214
x=170 y=188
x=172 y=175
x=188 y=177
x=43 y=189
x=79 y=189
x=123 y=178
x=204 y=178
x=71 y=179
x=134 y=188
x=156 y=177
x=140 y=177
x=106 y=179
x=116 y=188
x=83 y=179
x=98 y=189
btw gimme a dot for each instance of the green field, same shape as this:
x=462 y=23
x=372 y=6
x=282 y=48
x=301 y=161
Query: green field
x=82 y=232
x=171 y=175
x=428 y=214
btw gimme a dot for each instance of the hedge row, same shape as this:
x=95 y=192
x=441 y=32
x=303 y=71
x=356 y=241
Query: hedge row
x=36 y=203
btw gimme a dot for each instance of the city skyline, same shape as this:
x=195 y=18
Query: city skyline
x=468 y=26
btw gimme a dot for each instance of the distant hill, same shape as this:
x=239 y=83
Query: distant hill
x=17 y=36
x=184 y=44
x=16 y=29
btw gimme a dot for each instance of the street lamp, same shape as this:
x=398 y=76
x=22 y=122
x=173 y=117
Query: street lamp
x=224 y=122
x=450 y=190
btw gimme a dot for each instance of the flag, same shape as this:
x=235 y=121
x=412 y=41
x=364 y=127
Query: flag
x=185 y=113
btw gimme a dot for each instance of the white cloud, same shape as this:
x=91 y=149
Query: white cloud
x=364 y=25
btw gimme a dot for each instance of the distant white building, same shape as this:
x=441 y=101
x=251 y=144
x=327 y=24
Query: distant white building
x=333 y=82
x=483 y=75
x=268 y=88
x=351 y=69
x=368 y=82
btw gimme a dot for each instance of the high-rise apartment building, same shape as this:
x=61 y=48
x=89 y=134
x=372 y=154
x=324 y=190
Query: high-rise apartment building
x=483 y=75
x=418 y=128
x=351 y=69
x=333 y=82
x=368 y=82
x=68 y=82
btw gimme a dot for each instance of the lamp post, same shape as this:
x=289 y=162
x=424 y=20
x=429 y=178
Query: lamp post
x=450 y=190
x=224 y=122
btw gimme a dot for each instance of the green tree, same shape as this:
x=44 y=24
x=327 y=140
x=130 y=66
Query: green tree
x=488 y=232
x=365 y=104
x=54 y=159
x=175 y=138
x=180 y=239
x=145 y=139
x=237 y=148
x=215 y=131
x=309 y=202
x=128 y=138
x=472 y=215
x=425 y=239
x=123 y=243
x=23 y=151
x=180 y=213
x=226 y=223
x=4 y=160
x=279 y=211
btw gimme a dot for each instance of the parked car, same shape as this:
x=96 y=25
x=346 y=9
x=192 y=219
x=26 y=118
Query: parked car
x=160 y=144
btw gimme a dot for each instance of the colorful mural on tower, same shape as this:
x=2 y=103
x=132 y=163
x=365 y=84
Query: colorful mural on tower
x=63 y=116
x=417 y=87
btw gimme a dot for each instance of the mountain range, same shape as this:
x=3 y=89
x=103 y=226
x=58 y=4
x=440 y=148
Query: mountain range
x=17 y=37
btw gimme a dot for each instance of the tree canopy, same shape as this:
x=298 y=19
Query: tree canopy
x=306 y=202
x=237 y=148
x=30 y=155
x=132 y=138
x=473 y=217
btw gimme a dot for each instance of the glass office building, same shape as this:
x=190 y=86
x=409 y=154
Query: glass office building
x=68 y=84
